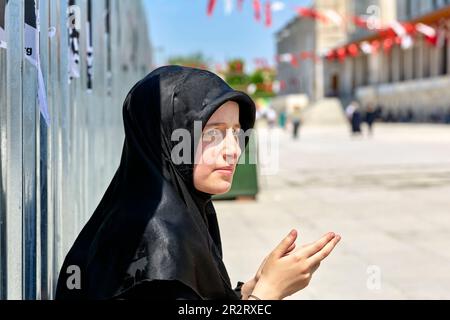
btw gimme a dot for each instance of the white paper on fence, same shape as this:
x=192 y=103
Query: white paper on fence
x=3 y=43
x=31 y=47
x=89 y=56
x=42 y=96
x=31 y=38
x=74 y=59
x=2 y=25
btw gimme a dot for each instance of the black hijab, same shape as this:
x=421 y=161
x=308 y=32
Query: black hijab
x=152 y=224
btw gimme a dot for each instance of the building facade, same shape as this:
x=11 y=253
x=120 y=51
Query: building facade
x=409 y=82
x=401 y=76
x=308 y=38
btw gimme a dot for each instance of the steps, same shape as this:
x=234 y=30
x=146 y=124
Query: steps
x=325 y=112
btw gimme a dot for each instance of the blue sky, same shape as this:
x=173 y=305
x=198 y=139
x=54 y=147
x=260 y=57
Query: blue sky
x=181 y=27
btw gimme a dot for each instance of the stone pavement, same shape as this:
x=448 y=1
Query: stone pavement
x=387 y=196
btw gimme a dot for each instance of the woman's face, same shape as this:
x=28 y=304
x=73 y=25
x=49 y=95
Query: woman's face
x=217 y=158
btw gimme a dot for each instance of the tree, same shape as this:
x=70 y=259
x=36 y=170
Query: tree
x=196 y=60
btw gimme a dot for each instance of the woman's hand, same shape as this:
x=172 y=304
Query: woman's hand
x=284 y=273
x=249 y=286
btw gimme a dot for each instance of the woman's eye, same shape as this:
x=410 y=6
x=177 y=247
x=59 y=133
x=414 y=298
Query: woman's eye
x=212 y=135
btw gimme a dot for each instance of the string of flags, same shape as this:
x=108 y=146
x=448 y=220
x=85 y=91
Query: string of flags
x=395 y=33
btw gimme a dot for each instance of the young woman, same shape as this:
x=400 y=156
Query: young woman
x=154 y=234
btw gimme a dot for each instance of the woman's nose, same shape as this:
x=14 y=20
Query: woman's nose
x=232 y=150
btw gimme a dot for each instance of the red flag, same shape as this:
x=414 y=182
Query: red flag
x=360 y=22
x=211 y=6
x=430 y=33
x=257 y=8
x=294 y=61
x=342 y=54
x=388 y=44
x=268 y=13
x=375 y=46
x=240 y=4
x=331 y=55
x=311 y=13
x=353 y=50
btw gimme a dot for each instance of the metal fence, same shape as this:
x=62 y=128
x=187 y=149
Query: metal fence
x=54 y=174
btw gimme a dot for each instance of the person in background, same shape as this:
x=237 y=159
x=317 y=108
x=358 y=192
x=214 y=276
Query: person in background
x=282 y=119
x=296 y=119
x=447 y=116
x=371 y=116
x=354 y=116
x=271 y=115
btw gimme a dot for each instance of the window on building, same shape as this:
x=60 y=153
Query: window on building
x=390 y=66
x=401 y=65
x=426 y=60
x=417 y=63
x=365 y=70
x=444 y=68
x=354 y=74
x=435 y=4
x=409 y=12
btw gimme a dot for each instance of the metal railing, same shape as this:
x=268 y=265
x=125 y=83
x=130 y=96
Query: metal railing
x=52 y=175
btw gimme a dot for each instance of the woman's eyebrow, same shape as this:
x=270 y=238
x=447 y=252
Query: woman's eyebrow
x=221 y=124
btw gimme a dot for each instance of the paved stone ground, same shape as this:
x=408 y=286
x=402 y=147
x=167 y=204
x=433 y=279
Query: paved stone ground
x=388 y=196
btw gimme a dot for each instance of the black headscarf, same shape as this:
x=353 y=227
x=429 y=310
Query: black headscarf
x=152 y=224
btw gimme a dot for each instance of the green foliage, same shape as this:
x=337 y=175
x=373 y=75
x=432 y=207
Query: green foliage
x=234 y=74
x=196 y=60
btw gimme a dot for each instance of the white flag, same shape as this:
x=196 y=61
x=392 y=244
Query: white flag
x=426 y=30
x=228 y=7
x=333 y=16
x=366 y=47
x=278 y=6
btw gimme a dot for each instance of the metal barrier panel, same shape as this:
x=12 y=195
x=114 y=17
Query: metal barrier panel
x=52 y=176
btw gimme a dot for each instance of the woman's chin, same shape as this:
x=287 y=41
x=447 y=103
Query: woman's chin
x=221 y=187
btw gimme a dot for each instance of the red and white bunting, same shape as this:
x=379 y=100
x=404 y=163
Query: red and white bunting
x=366 y=47
x=430 y=33
x=311 y=13
x=240 y=4
x=334 y=17
x=211 y=7
x=278 y=6
x=268 y=9
x=257 y=9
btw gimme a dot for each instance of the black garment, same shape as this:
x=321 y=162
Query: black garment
x=152 y=225
x=371 y=117
x=356 y=122
x=296 y=128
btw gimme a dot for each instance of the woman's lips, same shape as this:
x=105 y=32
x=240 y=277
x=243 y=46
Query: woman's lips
x=225 y=171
